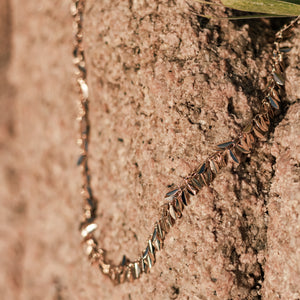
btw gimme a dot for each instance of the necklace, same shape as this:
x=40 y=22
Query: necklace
x=179 y=198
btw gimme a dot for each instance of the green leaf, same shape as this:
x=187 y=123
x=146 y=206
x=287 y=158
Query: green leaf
x=273 y=7
x=242 y=17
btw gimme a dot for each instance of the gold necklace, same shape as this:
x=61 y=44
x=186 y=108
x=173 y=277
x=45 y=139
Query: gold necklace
x=179 y=198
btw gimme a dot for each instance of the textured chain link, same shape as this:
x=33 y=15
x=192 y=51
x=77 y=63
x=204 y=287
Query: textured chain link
x=179 y=198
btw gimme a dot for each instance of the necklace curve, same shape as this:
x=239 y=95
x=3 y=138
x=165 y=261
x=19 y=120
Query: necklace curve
x=179 y=198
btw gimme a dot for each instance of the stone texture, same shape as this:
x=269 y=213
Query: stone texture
x=166 y=87
x=283 y=266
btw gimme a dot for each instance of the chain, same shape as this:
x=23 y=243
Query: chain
x=179 y=198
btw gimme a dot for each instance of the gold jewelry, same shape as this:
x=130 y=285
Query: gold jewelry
x=179 y=198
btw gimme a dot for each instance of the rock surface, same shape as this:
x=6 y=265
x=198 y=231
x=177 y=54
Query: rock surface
x=166 y=87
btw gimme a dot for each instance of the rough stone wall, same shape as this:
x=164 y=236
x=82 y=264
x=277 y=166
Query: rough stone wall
x=166 y=87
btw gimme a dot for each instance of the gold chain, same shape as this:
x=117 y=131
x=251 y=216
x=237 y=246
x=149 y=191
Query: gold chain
x=179 y=198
